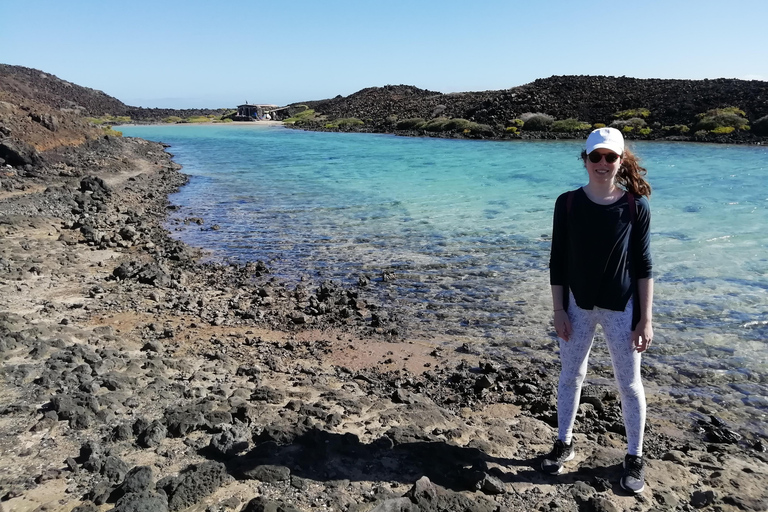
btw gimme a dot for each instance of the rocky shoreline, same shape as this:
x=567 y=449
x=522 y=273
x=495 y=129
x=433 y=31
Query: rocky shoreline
x=136 y=378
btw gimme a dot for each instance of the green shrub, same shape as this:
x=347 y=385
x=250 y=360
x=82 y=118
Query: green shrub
x=598 y=125
x=512 y=129
x=108 y=119
x=459 y=124
x=569 y=125
x=415 y=123
x=536 y=121
x=301 y=117
x=172 y=119
x=721 y=130
x=634 y=123
x=438 y=124
x=109 y=131
x=634 y=112
x=480 y=129
x=733 y=110
x=716 y=118
x=444 y=124
x=701 y=134
x=760 y=126
x=677 y=129
x=197 y=119
x=99 y=120
x=344 y=122
x=516 y=123
x=644 y=131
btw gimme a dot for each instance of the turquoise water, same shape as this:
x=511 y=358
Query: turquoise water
x=465 y=225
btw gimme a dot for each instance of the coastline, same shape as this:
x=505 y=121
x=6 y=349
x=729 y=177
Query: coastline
x=211 y=123
x=120 y=351
x=744 y=139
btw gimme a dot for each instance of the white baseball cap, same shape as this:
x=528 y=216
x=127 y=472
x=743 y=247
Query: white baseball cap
x=606 y=138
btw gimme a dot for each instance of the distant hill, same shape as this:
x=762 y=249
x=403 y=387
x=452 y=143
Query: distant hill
x=44 y=88
x=40 y=112
x=41 y=87
x=590 y=99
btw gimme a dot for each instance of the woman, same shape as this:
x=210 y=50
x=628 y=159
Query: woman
x=600 y=272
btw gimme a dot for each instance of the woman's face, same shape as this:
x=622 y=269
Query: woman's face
x=602 y=171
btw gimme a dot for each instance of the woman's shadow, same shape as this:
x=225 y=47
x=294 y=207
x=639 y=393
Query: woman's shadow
x=402 y=455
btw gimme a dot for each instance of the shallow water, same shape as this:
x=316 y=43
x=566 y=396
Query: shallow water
x=465 y=225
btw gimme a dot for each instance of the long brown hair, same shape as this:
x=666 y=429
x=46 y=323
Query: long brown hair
x=631 y=175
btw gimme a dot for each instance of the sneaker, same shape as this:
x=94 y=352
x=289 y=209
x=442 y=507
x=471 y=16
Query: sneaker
x=561 y=452
x=633 y=478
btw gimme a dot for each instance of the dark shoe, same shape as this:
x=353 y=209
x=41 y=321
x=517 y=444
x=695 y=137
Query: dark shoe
x=561 y=452
x=633 y=478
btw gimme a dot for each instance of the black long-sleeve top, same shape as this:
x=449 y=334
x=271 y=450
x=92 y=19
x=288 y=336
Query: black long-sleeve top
x=594 y=255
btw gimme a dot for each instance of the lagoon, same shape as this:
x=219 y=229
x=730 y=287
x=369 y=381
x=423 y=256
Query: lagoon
x=464 y=227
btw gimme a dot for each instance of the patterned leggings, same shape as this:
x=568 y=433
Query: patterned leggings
x=617 y=326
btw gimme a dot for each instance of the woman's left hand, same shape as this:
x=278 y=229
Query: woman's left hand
x=642 y=336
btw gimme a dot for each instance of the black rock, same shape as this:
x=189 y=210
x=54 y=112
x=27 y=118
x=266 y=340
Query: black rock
x=193 y=484
x=88 y=506
x=18 y=153
x=716 y=431
x=230 y=442
x=701 y=499
x=142 y=502
x=100 y=492
x=261 y=504
x=138 y=480
x=268 y=473
x=153 y=435
x=491 y=485
x=484 y=382
x=96 y=185
x=182 y=422
x=91 y=456
x=600 y=504
x=114 y=469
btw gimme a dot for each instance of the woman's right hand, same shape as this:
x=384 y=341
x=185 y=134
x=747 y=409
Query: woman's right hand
x=563 y=325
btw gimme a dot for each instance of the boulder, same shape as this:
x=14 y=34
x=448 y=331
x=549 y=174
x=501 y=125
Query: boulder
x=18 y=153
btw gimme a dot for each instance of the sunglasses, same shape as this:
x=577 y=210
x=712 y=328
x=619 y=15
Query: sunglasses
x=595 y=157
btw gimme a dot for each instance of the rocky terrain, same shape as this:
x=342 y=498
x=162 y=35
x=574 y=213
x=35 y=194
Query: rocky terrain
x=27 y=84
x=591 y=99
x=133 y=377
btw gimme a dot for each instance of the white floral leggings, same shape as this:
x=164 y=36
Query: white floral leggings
x=574 y=354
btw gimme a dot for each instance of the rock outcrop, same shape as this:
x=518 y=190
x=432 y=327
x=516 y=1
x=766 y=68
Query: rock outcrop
x=591 y=99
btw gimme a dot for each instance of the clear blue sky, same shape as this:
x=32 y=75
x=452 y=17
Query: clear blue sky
x=190 y=53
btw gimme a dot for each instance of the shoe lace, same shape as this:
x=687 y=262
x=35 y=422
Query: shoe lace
x=635 y=467
x=559 y=450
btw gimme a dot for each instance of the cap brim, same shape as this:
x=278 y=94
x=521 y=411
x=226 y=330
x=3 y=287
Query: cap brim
x=612 y=147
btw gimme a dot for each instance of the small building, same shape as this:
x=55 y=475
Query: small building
x=248 y=112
